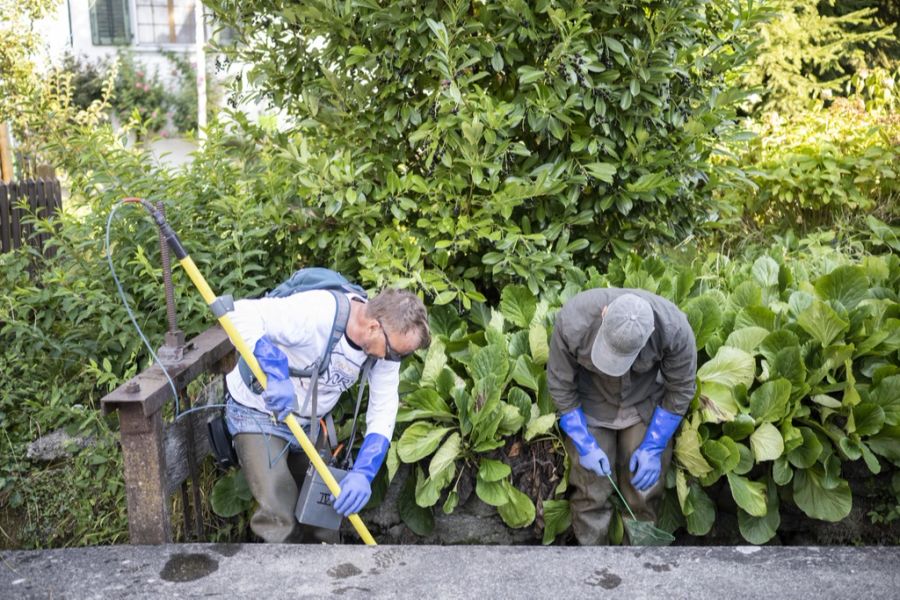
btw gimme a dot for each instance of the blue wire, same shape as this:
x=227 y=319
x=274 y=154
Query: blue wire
x=112 y=269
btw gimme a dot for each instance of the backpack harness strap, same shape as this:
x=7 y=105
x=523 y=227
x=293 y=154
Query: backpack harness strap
x=320 y=367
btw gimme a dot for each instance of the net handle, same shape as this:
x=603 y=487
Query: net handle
x=615 y=487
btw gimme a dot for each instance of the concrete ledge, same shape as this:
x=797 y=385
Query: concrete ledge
x=483 y=572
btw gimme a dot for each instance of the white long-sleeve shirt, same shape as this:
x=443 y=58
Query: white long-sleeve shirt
x=300 y=325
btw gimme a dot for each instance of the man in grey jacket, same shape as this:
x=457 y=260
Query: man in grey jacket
x=622 y=372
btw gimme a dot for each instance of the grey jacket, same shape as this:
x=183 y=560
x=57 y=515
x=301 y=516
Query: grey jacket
x=664 y=373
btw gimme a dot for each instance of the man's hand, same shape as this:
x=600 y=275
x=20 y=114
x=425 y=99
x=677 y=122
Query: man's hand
x=279 y=397
x=596 y=461
x=355 y=492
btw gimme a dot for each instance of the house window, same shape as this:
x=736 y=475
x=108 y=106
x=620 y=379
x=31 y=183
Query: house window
x=165 y=21
x=110 y=22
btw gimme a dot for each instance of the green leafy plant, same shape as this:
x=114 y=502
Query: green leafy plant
x=461 y=147
x=798 y=374
x=479 y=394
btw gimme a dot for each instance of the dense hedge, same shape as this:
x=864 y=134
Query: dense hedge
x=465 y=146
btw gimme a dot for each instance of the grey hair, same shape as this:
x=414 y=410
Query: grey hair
x=401 y=311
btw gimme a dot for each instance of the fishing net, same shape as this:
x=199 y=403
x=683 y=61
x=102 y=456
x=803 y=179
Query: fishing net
x=642 y=533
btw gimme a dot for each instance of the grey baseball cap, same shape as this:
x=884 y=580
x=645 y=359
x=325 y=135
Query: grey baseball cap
x=624 y=331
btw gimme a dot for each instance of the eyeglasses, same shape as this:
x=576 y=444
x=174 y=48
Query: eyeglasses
x=389 y=352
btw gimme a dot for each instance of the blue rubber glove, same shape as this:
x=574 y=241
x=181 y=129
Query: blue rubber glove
x=356 y=487
x=590 y=454
x=646 y=459
x=279 y=393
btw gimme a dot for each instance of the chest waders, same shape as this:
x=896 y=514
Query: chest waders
x=220 y=307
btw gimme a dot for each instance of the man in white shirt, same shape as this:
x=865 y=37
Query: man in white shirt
x=291 y=333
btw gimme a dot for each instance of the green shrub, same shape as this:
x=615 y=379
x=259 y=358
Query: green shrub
x=821 y=166
x=799 y=372
x=463 y=147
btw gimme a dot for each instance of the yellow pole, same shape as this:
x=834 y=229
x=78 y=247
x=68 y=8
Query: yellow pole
x=190 y=268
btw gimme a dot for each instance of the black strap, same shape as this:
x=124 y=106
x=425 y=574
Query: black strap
x=338 y=328
x=366 y=367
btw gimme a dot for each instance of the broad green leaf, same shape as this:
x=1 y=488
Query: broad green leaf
x=602 y=171
x=746 y=463
x=446 y=454
x=491 y=492
x=749 y=495
x=782 y=472
x=493 y=470
x=231 y=495
x=817 y=501
x=718 y=402
x=886 y=394
x=419 y=440
x=523 y=375
x=869 y=418
x=705 y=316
x=520 y=399
x=777 y=341
x=847 y=285
x=788 y=364
x=806 y=455
x=723 y=453
x=519 y=511
x=887 y=443
x=417 y=518
x=729 y=367
x=759 y=530
x=765 y=271
x=739 y=428
x=450 y=503
x=557 y=518
x=821 y=322
x=512 y=420
x=435 y=360
x=769 y=402
x=539 y=426
x=747 y=293
x=687 y=451
x=703 y=515
x=517 y=304
x=489 y=362
x=537 y=340
x=428 y=489
x=747 y=338
x=766 y=443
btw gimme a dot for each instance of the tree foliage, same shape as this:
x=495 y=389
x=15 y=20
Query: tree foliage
x=464 y=145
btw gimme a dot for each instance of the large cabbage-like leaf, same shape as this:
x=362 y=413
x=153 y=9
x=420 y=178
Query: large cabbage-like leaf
x=766 y=442
x=730 y=366
x=846 y=284
x=821 y=322
x=749 y=495
x=769 y=402
x=419 y=440
x=517 y=304
x=816 y=500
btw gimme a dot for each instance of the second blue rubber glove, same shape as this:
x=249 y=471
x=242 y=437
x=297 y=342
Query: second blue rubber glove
x=646 y=461
x=356 y=487
x=279 y=394
x=590 y=455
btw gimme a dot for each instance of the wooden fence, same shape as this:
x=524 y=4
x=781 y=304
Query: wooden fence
x=39 y=197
